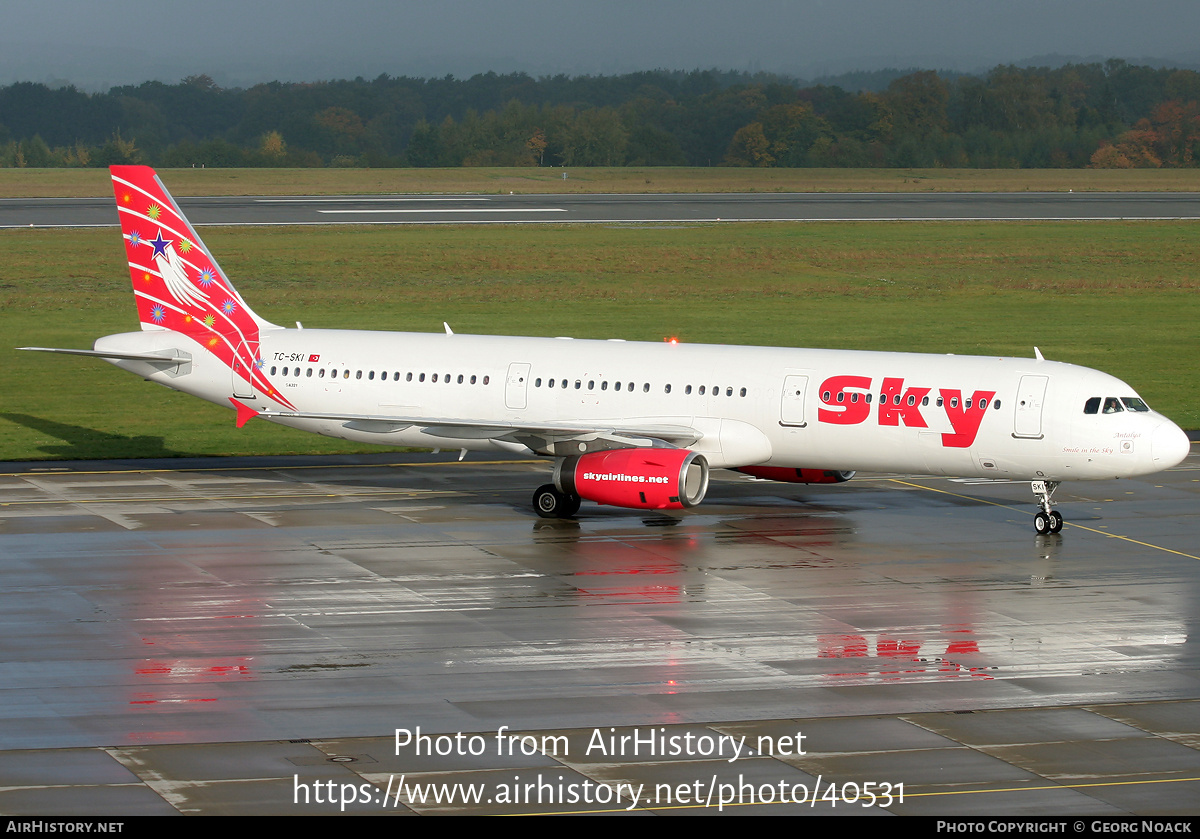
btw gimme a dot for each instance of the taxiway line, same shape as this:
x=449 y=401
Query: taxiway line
x=1066 y=524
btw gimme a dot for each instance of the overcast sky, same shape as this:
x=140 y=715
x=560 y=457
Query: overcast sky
x=98 y=44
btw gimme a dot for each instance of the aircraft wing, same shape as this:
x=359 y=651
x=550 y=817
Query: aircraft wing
x=558 y=438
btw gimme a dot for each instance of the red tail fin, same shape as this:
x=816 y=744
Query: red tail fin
x=177 y=283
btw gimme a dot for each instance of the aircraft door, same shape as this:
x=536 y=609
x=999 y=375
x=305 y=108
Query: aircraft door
x=791 y=403
x=515 y=387
x=1031 y=394
x=243 y=387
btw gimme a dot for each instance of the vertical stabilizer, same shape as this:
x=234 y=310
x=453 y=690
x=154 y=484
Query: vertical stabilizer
x=178 y=285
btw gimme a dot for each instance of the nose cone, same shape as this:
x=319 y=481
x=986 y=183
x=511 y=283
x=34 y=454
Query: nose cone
x=1169 y=445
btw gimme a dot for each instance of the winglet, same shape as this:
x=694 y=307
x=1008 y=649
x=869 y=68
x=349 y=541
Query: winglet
x=244 y=412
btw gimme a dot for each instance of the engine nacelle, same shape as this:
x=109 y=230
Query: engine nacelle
x=797 y=476
x=651 y=479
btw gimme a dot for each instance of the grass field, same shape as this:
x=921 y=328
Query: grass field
x=27 y=183
x=1121 y=297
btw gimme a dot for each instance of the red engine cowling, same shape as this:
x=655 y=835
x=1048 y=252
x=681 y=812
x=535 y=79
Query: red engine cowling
x=652 y=479
x=797 y=476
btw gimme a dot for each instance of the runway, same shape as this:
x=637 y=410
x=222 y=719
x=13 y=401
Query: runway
x=229 y=635
x=620 y=209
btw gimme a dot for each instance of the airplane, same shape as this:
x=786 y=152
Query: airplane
x=629 y=424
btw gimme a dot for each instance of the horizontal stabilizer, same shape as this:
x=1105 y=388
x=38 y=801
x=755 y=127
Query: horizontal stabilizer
x=175 y=357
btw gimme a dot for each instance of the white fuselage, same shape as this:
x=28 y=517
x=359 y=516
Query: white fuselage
x=822 y=409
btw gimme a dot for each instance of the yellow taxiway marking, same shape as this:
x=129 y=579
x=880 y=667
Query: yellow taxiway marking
x=1065 y=524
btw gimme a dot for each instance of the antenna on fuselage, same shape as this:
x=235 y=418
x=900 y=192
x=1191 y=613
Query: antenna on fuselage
x=1038 y=354
x=449 y=331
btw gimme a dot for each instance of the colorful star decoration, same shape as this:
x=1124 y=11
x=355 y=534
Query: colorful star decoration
x=154 y=211
x=160 y=245
x=185 y=246
x=158 y=313
x=229 y=306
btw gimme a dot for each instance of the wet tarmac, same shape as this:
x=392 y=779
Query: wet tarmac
x=246 y=635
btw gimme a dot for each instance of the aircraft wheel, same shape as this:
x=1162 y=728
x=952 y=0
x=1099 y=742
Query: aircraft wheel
x=1041 y=523
x=1056 y=521
x=571 y=505
x=549 y=503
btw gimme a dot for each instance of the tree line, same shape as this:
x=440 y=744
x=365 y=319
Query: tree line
x=1110 y=114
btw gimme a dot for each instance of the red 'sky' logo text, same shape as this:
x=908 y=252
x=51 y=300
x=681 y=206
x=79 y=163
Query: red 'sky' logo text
x=846 y=400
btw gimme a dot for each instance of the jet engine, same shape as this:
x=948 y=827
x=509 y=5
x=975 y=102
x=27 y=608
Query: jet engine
x=653 y=479
x=797 y=476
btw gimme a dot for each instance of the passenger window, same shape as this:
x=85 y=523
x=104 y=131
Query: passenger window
x=702 y=393
x=666 y=389
x=687 y=391
x=486 y=379
x=729 y=391
x=460 y=378
x=472 y=380
x=346 y=373
x=744 y=392
x=308 y=373
x=371 y=376
x=604 y=385
x=435 y=375
x=272 y=370
x=578 y=384
x=629 y=387
x=646 y=387
x=321 y=373
x=550 y=383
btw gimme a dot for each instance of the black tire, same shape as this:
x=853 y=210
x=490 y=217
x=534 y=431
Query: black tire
x=1056 y=521
x=549 y=503
x=570 y=505
x=1041 y=523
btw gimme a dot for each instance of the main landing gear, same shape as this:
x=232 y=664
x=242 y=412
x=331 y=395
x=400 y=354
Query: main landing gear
x=552 y=504
x=1046 y=521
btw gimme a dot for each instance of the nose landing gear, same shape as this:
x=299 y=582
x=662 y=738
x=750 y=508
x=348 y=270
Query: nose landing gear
x=1046 y=520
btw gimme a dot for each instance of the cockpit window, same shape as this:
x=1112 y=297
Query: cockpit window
x=1112 y=405
x=1092 y=406
x=1134 y=404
